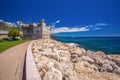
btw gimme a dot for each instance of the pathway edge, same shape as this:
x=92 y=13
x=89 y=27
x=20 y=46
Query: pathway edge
x=31 y=69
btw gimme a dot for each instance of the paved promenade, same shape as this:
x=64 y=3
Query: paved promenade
x=11 y=62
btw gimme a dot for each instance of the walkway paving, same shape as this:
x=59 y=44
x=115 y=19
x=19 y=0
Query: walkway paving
x=11 y=62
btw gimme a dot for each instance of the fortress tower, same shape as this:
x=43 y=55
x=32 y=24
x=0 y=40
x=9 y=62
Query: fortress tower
x=34 y=31
x=45 y=30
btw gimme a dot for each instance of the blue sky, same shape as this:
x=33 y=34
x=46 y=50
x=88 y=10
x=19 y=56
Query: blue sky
x=69 y=17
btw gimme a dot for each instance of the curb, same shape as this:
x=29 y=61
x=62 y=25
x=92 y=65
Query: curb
x=31 y=69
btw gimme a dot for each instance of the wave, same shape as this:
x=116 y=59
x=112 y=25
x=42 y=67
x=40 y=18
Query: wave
x=73 y=44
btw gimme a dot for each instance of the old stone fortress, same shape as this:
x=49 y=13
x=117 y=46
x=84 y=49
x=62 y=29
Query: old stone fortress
x=35 y=31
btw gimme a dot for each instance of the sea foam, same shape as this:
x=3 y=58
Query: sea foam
x=73 y=44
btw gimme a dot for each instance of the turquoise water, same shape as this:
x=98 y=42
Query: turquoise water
x=109 y=45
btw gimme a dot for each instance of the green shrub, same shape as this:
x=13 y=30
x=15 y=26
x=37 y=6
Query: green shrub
x=14 y=32
x=3 y=39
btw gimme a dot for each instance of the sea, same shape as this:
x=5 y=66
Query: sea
x=109 y=45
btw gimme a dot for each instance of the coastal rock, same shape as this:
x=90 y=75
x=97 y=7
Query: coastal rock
x=77 y=51
x=35 y=51
x=102 y=54
x=116 y=69
x=71 y=78
x=74 y=58
x=88 y=59
x=67 y=71
x=59 y=61
x=65 y=56
x=66 y=68
x=63 y=47
x=117 y=62
x=109 y=57
x=85 y=66
x=47 y=49
x=77 y=54
x=93 y=55
x=42 y=71
x=115 y=58
x=106 y=67
x=52 y=73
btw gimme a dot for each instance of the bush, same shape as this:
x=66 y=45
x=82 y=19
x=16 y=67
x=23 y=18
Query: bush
x=14 y=32
x=3 y=39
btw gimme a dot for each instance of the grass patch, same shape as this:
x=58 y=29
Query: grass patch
x=8 y=44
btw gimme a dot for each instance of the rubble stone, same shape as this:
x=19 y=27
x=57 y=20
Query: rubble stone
x=59 y=61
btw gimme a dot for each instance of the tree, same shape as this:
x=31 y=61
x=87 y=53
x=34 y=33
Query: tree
x=14 y=32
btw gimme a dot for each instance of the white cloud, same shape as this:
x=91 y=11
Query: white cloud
x=97 y=26
x=9 y=24
x=18 y=22
x=54 y=23
x=66 y=29
x=58 y=21
x=101 y=24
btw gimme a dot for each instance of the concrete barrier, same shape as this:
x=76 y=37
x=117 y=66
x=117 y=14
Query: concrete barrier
x=31 y=69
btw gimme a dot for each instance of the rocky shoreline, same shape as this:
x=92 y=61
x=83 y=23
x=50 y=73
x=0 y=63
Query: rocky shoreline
x=59 y=61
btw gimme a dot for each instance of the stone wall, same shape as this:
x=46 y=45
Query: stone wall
x=35 y=31
x=46 y=32
x=3 y=34
x=31 y=32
